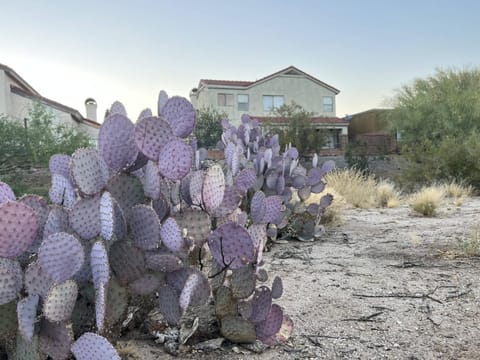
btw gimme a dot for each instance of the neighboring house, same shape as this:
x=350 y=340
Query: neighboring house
x=370 y=128
x=260 y=98
x=17 y=98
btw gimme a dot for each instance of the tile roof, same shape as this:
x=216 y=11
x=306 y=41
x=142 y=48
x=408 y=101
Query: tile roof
x=316 y=120
x=246 y=84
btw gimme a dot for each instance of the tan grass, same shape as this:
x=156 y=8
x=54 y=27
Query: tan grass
x=387 y=195
x=427 y=200
x=356 y=188
x=471 y=246
x=333 y=215
x=457 y=192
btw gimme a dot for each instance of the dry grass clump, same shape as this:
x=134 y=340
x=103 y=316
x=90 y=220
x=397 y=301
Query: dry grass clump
x=387 y=195
x=458 y=192
x=355 y=187
x=333 y=215
x=427 y=200
x=471 y=246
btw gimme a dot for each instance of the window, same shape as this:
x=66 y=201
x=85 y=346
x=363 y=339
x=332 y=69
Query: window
x=225 y=99
x=243 y=102
x=333 y=139
x=328 y=104
x=272 y=102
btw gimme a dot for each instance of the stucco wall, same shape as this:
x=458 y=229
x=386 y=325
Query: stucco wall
x=299 y=89
x=17 y=107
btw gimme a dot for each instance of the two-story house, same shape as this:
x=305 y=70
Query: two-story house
x=260 y=98
x=17 y=98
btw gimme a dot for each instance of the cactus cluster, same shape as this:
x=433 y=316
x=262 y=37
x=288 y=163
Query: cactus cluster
x=142 y=216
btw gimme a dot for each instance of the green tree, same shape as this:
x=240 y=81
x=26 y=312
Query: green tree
x=33 y=144
x=298 y=129
x=437 y=117
x=208 y=129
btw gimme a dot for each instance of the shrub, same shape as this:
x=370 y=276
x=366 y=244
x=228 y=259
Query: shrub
x=471 y=246
x=427 y=200
x=458 y=192
x=387 y=195
x=208 y=128
x=354 y=186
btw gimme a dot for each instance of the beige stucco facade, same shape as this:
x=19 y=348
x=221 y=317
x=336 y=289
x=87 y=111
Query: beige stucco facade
x=291 y=84
x=17 y=98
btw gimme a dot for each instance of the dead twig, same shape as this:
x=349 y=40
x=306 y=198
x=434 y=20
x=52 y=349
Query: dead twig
x=365 y=318
x=403 y=295
x=463 y=293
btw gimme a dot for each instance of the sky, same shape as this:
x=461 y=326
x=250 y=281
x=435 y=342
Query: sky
x=130 y=50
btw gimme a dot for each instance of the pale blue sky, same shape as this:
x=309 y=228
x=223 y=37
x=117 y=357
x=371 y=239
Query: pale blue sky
x=129 y=50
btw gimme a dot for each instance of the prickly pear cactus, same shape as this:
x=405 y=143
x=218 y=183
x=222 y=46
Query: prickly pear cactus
x=142 y=218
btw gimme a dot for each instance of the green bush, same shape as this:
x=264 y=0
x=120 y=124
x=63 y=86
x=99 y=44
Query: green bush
x=439 y=121
x=208 y=130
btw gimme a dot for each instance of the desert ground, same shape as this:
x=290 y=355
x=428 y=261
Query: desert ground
x=385 y=284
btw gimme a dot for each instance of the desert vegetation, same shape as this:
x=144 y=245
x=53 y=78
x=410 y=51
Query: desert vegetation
x=144 y=237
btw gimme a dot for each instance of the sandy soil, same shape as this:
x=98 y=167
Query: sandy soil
x=384 y=285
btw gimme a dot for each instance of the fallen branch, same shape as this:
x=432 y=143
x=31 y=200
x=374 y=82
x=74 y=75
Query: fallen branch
x=365 y=318
x=463 y=293
x=400 y=295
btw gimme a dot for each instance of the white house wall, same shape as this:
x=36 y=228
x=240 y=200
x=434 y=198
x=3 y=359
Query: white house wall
x=17 y=107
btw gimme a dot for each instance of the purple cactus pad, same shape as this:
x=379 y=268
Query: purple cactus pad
x=175 y=159
x=230 y=244
x=180 y=114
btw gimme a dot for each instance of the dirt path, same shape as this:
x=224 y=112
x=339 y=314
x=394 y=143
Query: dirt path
x=380 y=286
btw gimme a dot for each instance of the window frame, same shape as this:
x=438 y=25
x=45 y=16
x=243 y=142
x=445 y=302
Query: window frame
x=328 y=109
x=272 y=97
x=225 y=96
x=243 y=106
